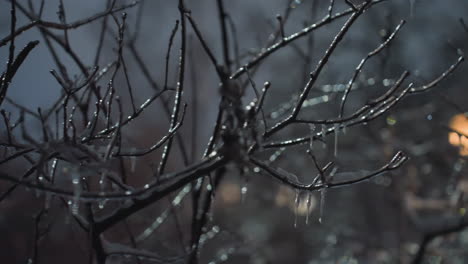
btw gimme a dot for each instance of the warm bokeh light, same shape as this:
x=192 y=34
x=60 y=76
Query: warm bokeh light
x=459 y=123
x=286 y=197
x=230 y=193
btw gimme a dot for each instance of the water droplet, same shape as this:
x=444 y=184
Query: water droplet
x=128 y=192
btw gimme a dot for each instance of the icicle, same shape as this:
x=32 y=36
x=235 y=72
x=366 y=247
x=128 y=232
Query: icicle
x=258 y=139
x=67 y=216
x=337 y=131
x=412 y=2
x=47 y=200
x=75 y=207
x=324 y=131
x=344 y=129
x=76 y=191
x=312 y=133
x=322 y=204
x=40 y=179
x=244 y=171
x=332 y=173
x=133 y=162
x=296 y=207
x=309 y=205
x=75 y=177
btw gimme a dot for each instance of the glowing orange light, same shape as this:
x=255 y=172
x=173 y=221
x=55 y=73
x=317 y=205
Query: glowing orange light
x=459 y=123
